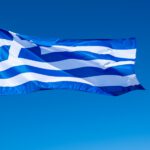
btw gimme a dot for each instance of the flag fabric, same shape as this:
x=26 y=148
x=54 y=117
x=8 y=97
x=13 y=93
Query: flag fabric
x=104 y=66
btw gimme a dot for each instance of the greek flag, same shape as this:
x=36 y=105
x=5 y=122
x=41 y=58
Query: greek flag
x=102 y=66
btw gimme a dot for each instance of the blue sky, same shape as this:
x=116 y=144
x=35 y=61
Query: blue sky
x=73 y=120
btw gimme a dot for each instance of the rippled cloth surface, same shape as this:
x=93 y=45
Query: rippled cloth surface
x=103 y=66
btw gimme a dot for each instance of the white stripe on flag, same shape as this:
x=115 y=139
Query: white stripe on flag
x=130 y=53
x=104 y=80
x=62 y=65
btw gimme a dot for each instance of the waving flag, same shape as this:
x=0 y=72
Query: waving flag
x=102 y=66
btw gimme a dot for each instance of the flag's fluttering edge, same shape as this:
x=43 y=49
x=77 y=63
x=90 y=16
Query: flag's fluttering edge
x=102 y=66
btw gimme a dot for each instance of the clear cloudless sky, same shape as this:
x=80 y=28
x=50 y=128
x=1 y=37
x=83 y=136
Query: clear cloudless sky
x=74 y=120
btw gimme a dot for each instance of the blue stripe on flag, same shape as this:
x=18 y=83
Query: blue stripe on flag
x=5 y=35
x=122 y=70
x=35 y=54
x=36 y=85
x=111 y=43
x=38 y=41
x=123 y=44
